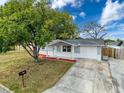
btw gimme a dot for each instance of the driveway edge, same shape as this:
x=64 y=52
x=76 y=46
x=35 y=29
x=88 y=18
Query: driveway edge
x=6 y=89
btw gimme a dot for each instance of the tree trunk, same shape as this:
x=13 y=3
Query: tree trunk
x=33 y=52
x=36 y=55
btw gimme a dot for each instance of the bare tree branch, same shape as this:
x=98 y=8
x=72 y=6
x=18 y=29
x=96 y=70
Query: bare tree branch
x=94 y=30
x=103 y=35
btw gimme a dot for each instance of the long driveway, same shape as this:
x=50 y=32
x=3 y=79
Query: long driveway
x=86 y=76
x=117 y=69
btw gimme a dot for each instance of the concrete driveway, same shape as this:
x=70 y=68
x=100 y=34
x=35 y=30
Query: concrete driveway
x=117 y=69
x=86 y=76
x=4 y=89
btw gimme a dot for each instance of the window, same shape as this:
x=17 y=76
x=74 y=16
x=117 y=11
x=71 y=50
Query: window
x=66 y=48
x=77 y=49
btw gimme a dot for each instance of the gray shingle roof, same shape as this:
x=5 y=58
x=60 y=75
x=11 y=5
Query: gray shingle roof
x=117 y=43
x=89 y=42
x=80 y=42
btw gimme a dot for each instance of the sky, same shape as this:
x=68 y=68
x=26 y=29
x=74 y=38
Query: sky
x=108 y=13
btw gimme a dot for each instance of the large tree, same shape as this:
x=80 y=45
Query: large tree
x=94 y=30
x=32 y=24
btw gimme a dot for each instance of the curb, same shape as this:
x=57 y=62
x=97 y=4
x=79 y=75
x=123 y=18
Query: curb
x=6 y=89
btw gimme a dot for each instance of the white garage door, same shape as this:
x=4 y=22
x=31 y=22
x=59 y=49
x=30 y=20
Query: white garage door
x=89 y=52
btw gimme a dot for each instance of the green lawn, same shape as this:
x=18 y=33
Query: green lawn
x=39 y=76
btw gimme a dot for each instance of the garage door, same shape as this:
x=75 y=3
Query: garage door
x=89 y=52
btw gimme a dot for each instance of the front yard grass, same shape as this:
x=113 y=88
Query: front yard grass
x=39 y=76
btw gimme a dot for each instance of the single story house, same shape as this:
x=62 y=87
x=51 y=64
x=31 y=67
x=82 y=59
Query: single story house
x=74 y=49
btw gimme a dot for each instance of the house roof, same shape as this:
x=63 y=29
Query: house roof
x=81 y=42
x=122 y=45
x=117 y=43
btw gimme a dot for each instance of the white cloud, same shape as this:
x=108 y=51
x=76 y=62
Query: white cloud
x=117 y=33
x=73 y=17
x=111 y=26
x=77 y=3
x=61 y=3
x=116 y=26
x=113 y=11
x=121 y=27
x=82 y=14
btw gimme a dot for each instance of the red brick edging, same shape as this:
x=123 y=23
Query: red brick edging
x=54 y=58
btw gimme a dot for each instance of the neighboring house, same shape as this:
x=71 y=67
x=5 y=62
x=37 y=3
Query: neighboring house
x=118 y=49
x=122 y=45
x=116 y=45
x=73 y=49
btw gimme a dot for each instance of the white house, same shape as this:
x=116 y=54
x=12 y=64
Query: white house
x=73 y=49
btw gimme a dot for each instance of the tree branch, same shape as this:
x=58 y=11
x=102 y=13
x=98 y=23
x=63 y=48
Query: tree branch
x=27 y=51
x=30 y=48
x=101 y=37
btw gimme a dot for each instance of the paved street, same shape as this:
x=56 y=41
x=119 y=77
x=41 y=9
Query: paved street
x=86 y=76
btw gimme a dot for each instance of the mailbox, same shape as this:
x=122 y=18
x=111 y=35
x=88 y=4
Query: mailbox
x=22 y=73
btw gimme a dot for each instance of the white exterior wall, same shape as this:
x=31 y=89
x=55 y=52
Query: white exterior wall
x=85 y=52
x=52 y=52
x=63 y=55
